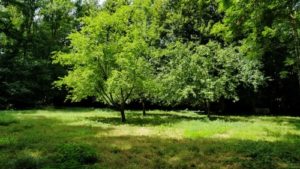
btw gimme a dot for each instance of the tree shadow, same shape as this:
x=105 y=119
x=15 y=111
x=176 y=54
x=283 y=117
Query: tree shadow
x=43 y=135
x=33 y=142
x=150 y=119
x=135 y=118
x=230 y=119
x=157 y=152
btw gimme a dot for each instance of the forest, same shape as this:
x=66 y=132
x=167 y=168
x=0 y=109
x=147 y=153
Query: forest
x=225 y=73
x=238 y=56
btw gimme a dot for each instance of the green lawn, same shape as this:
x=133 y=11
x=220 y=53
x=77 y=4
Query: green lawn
x=95 y=138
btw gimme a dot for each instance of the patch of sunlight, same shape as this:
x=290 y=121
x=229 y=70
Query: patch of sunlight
x=282 y=165
x=69 y=116
x=222 y=135
x=126 y=130
x=262 y=129
x=171 y=133
x=7 y=140
x=174 y=159
x=170 y=124
x=84 y=122
x=122 y=146
x=33 y=153
x=199 y=129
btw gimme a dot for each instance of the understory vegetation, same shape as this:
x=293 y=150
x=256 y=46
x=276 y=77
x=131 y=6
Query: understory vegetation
x=96 y=138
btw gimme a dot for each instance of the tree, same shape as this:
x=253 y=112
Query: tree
x=17 y=47
x=267 y=30
x=30 y=30
x=201 y=74
x=108 y=58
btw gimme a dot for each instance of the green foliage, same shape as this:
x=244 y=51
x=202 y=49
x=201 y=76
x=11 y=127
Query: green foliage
x=113 y=52
x=109 y=56
x=30 y=31
x=116 y=54
x=201 y=73
x=270 y=27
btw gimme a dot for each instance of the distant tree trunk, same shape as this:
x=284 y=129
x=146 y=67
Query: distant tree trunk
x=122 y=107
x=297 y=44
x=144 y=107
x=222 y=106
x=122 y=111
x=208 y=109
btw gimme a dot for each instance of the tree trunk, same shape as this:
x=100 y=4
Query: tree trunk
x=297 y=44
x=222 y=106
x=144 y=108
x=208 y=109
x=122 y=111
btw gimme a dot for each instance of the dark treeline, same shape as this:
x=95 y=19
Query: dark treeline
x=168 y=37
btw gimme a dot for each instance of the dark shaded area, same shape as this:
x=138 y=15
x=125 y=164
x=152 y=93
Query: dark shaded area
x=207 y=153
x=75 y=155
x=169 y=153
x=150 y=119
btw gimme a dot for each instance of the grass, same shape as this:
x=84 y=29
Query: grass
x=95 y=138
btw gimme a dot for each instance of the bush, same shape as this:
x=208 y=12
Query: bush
x=75 y=155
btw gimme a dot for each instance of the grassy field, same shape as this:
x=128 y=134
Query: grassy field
x=95 y=138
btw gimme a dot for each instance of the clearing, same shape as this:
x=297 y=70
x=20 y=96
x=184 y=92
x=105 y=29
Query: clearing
x=95 y=138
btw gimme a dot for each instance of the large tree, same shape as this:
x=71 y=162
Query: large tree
x=109 y=56
x=30 y=30
x=201 y=74
x=269 y=31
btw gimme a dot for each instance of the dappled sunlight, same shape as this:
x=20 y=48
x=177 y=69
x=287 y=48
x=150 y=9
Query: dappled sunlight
x=7 y=140
x=188 y=153
x=160 y=139
x=177 y=125
x=32 y=153
x=125 y=130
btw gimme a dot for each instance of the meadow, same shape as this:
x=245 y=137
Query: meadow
x=95 y=138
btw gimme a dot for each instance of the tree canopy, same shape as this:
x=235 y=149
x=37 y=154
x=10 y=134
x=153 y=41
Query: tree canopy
x=163 y=52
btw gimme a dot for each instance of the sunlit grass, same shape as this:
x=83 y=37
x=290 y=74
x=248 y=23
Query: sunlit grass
x=172 y=139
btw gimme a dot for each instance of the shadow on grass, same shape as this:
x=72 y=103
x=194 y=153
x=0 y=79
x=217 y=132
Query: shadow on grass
x=149 y=119
x=136 y=152
x=163 y=118
x=37 y=144
x=230 y=119
x=42 y=131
